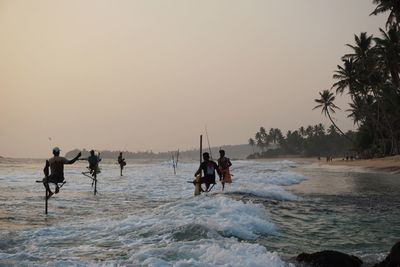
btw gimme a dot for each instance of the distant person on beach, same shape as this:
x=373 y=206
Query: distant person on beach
x=93 y=162
x=223 y=164
x=56 y=166
x=209 y=168
x=121 y=162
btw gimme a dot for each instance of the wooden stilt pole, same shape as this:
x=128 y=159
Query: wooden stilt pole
x=95 y=182
x=46 y=197
x=201 y=160
x=201 y=148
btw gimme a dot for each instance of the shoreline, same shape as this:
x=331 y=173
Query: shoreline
x=386 y=164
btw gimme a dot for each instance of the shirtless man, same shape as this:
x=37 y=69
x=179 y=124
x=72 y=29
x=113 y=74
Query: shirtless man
x=56 y=166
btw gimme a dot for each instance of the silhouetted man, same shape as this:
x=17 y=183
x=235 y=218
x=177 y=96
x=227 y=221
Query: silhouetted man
x=223 y=164
x=121 y=162
x=209 y=168
x=93 y=162
x=56 y=166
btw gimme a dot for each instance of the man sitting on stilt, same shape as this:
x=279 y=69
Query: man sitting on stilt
x=209 y=168
x=56 y=166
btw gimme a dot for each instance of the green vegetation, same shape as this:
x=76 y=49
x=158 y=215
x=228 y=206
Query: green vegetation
x=234 y=152
x=310 y=141
x=370 y=75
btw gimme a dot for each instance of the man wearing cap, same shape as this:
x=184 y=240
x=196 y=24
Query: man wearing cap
x=56 y=166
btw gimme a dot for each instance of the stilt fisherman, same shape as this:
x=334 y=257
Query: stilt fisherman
x=209 y=168
x=223 y=164
x=56 y=166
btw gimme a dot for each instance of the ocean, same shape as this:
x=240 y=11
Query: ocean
x=273 y=211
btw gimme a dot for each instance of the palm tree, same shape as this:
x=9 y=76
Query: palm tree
x=278 y=135
x=332 y=130
x=362 y=47
x=273 y=135
x=361 y=113
x=384 y=6
x=372 y=76
x=259 y=141
x=252 y=143
x=264 y=137
x=327 y=106
x=389 y=50
x=302 y=131
x=320 y=129
x=346 y=77
x=357 y=110
x=309 y=131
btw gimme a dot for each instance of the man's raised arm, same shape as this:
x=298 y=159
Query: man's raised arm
x=72 y=161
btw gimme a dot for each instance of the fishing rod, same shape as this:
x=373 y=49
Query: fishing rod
x=208 y=141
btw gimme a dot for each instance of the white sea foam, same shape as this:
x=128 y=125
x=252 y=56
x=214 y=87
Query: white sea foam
x=264 y=179
x=226 y=252
x=147 y=217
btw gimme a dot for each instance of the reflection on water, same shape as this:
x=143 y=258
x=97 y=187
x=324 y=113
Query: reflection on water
x=350 y=211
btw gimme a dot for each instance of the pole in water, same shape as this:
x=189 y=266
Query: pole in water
x=95 y=183
x=46 y=197
x=201 y=147
x=197 y=185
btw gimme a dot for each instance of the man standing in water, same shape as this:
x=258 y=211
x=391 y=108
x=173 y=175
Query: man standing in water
x=56 y=166
x=121 y=162
x=223 y=164
x=209 y=168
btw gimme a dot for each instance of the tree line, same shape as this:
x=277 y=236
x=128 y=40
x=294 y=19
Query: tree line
x=234 y=152
x=369 y=74
x=306 y=141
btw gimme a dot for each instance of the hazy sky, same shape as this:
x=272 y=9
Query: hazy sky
x=149 y=75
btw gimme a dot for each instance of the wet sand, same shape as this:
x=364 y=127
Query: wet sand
x=389 y=164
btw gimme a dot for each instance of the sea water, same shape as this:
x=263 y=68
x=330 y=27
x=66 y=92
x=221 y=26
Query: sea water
x=273 y=211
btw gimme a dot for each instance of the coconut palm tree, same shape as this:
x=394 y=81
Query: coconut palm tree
x=383 y=6
x=388 y=48
x=309 y=131
x=259 y=141
x=346 y=77
x=362 y=47
x=372 y=75
x=273 y=137
x=362 y=115
x=357 y=110
x=264 y=137
x=325 y=102
x=302 y=131
x=319 y=129
x=252 y=143
x=332 y=130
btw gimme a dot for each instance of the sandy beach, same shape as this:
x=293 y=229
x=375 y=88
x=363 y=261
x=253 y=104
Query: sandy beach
x=390 y=164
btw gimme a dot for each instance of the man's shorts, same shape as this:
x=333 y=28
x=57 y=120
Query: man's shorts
x=54 y=179
x=207 y=180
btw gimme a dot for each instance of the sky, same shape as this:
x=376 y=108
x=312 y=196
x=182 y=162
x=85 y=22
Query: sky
x=153 y=74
